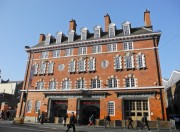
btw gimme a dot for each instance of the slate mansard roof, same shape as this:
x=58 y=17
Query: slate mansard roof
x=104 y=35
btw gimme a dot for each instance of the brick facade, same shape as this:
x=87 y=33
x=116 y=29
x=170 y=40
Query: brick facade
x=147 y=79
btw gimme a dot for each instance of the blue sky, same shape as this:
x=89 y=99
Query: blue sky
x=21 y=22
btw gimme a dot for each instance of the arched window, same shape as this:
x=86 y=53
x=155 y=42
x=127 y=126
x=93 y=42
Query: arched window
x=42 y=68
x=29 y=106
x=37 y=106
x=126 y=28
x=72 y=66
x=91 y=64
x=111 y=108
x=35 y=69
x=48 y=39
x=84 y=33
x=129 y=61
x=80 y=84
x=97 y=32
x=112 y=82
x=81 y=65
x=66 y=84
x=52 y=85
x=71 y=35
x=112 y=29
x=40 y=85
x=117 y=62
x=140 y=60
x=130 y=82
x=59 y=36
x=50 y=67
x=95 y=83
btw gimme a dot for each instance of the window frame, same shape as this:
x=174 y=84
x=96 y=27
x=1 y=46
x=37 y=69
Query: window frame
x=128 y=46
x=44 y=55
x=50 y=68
x=110 y=110
x=112 y=47
x=81 y=65
x=48 y=39
x=36 y=108
x=29 y=109
x=80 y=84
x=56 y=53
x=66 y=83
x=96 y=49
x=40 y=86
x=68 y=52
x=112 y=83
x=72 y=66
x=52 y=85
x=82 y=50
x=118 y=62
x=97 y=82
x=71 y=35
x=129 y=81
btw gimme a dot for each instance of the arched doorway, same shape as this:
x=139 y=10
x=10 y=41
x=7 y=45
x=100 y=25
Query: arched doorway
x=88 y=111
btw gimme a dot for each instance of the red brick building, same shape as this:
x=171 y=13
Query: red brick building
x=115 y=71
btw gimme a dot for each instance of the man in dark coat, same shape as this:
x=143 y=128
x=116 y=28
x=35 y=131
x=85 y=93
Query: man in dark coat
x=144 y=123
x=2 y=115
x=71 y=122
x=42 y=118
x=65 y=117
x=107 y=121
x=130 y=122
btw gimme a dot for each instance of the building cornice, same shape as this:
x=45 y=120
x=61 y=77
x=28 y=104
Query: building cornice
x=92 y=42
x=96 y=89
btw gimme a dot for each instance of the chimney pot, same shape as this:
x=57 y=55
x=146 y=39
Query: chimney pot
x=41 y=38
x=147 y=19
x=72 y=25
x=107 y=22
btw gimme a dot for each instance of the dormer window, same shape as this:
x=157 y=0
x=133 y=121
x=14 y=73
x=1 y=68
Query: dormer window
x=126 y=28
x=112 y=30
x=71 y=36
x=59 y=36
x=48 y=39
x=84 y=32
x=97 y=32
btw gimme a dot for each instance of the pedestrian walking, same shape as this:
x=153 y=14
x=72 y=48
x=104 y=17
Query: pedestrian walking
x=42 y=118
x=130 y=122
x=64 y=120
x=107 y=121
x=2 y=115
x=8 y=115
x=91 y=120
x=71 y=122
x=144 y=123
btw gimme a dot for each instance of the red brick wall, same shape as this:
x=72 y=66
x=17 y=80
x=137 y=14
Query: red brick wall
x=145 y=77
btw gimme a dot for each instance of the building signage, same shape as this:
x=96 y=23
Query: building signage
x=60 y=102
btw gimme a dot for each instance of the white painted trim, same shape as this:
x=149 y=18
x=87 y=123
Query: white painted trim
x=100 y=53
x=98 y=89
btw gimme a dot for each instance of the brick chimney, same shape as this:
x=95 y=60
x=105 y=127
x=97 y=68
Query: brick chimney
x=72 y=25
x=147 y=19
x=41 y=38
x=107 y=22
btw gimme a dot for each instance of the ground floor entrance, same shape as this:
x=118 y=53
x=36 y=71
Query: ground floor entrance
x=135 y=109
x=58 y=110
x=87 y=108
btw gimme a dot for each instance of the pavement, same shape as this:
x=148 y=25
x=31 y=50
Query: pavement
x=79 y=128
